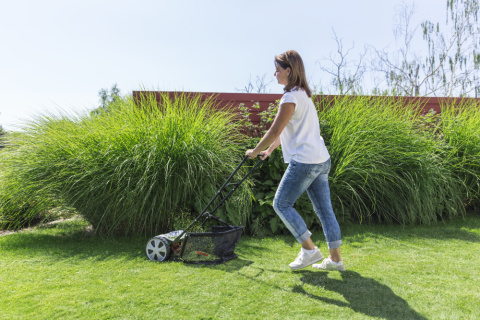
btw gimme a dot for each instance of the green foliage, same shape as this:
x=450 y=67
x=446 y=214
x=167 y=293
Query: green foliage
x=133 y=169
x=3 y=135
x=266 y=118
x=389 y=164
x=459 y=125
x=265 y=221
x=383 y=168
x=108 y=100
x=22 y=204
x=267 y=177
x=140 y=168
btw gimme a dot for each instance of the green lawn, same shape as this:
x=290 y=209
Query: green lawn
x=393 y=272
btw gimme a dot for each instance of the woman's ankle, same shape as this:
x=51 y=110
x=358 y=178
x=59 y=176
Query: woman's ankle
x=335 y=255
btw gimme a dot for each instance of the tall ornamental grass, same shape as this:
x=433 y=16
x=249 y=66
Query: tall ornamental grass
x=21 y=202
x=459 y=127
x=136 y=168
x=384 y=169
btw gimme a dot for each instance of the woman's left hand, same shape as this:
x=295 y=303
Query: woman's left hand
x=251 y=153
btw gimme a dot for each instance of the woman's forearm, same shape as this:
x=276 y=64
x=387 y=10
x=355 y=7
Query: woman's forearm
x=274 y=145
x=269 y=140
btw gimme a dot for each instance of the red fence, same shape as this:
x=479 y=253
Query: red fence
x=233 y=100
x=224 y=100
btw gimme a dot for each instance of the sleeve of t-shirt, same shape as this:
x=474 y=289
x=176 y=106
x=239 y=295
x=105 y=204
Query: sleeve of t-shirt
x=288 y=97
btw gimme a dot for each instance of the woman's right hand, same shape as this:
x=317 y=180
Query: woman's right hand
x=264 y=154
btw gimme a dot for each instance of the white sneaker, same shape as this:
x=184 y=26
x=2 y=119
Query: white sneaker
x=328 y=264
x=304 y=259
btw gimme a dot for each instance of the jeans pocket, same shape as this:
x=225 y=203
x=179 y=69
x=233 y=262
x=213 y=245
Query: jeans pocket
x=317 y=169
x=313 y=171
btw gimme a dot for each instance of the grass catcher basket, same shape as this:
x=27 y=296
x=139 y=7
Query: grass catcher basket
x=214 y=246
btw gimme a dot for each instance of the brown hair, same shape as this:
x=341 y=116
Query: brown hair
x=297 y=78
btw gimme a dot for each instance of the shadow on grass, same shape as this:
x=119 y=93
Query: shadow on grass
x=66 y=243
x=363 y=295
x=458 y=228
x=69 y=240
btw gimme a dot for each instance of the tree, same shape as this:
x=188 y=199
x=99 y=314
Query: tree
x=451 y=61
x=2 y=131
x=260 y=85
x=347 y=75
x=2 y=135
x=107 y=99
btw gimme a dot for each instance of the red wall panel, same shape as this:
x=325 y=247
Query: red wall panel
x=233 y=100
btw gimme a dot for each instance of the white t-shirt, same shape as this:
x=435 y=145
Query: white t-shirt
x=301 y=139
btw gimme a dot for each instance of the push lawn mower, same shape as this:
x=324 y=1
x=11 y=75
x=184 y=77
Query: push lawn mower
x=215 y=246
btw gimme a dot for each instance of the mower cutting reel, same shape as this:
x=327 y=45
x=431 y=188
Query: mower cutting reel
x=161 y=248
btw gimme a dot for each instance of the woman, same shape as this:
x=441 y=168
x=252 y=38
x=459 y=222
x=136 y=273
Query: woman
x=296 y=128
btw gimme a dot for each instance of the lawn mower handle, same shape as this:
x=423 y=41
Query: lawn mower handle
x=204 y=211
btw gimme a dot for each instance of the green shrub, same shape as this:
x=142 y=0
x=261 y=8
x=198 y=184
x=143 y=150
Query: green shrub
x=264 y=219
x=3 y=135
x=460 y=129
x=386 y=167
x=383 y=168
x=21 y=203
x=136 y=168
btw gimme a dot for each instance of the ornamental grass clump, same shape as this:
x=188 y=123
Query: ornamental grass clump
x=460 y=129
x=137 y=168
x=383 y=168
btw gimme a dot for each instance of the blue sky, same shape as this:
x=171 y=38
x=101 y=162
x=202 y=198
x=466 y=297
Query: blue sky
x=58 y=54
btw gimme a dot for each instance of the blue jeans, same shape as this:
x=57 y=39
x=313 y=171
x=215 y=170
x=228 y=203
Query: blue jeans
x=314 y=179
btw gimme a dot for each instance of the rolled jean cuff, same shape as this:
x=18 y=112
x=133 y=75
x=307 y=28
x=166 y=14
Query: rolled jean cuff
x=334 y=244
x=304 y=237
